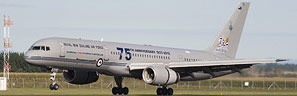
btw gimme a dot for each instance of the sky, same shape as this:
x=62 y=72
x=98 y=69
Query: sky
x=270 y=30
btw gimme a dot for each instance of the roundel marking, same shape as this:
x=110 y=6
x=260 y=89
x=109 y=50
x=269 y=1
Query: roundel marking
x=99 y=62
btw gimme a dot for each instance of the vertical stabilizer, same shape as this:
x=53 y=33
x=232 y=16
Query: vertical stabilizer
x=227 y=41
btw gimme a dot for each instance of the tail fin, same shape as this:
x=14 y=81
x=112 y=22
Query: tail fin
x=227 y=41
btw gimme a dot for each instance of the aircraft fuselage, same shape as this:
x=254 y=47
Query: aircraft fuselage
x=66 y=53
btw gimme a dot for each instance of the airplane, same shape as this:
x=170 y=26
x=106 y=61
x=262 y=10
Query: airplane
x=83 y=60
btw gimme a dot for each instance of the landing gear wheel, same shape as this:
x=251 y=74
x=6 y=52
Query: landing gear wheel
x=119 y=90
x=170 y=91
x=51 y=87
x=125 y=91
x=159 y=91
x=114 y=90
x=56 y=86
x=164 y=91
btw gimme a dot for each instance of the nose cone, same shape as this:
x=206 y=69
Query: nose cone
x=33 y=59
x=27 y=57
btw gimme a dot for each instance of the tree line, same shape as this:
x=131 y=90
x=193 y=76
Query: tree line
x=18 y=64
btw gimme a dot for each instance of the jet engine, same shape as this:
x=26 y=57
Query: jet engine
x=80 y=77
x=160 y=75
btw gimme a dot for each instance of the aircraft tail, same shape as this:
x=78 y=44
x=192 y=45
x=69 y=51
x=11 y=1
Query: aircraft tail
x=227 y=41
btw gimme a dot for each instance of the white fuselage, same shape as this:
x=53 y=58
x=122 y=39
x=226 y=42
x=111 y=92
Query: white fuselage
x=68 y=53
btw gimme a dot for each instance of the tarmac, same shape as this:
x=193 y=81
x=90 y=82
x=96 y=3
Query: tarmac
x=151 y=95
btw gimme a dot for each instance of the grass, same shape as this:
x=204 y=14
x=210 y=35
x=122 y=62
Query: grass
x=76 y=91
x=59 y=75
x=37 y=84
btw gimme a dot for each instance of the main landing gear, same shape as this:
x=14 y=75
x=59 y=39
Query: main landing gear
x=119 y=90
x=164 y=91
x=54 y=85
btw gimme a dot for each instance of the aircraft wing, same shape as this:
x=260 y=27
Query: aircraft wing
x=137 y=66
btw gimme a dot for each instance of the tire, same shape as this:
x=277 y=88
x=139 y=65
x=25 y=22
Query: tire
x=164 y=91
x=125 y=91
x=170 y=91
x=51 y=87
x=56 y=87
x=159 y=91
x=120 y=90
x=114 y=91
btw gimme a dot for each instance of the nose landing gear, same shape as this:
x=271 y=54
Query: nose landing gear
x=54 y=85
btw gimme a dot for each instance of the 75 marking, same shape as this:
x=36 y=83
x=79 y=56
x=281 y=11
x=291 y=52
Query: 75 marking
x=127 y=53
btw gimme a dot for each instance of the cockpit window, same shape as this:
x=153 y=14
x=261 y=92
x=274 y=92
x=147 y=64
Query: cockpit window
x=36 y=48
x=44 y=48
x=47 y=48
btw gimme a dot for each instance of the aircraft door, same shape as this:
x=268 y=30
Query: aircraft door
x=105 y=52
x=62 y=50
x=181 y=58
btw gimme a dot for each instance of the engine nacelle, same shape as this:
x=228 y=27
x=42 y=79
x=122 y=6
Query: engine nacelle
x=160 y=75
x=80 y=77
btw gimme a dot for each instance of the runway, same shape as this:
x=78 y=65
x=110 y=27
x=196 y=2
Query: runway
x=151 y=95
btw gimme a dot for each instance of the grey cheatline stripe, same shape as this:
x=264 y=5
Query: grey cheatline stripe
x=51 y=59
x=74 y=60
